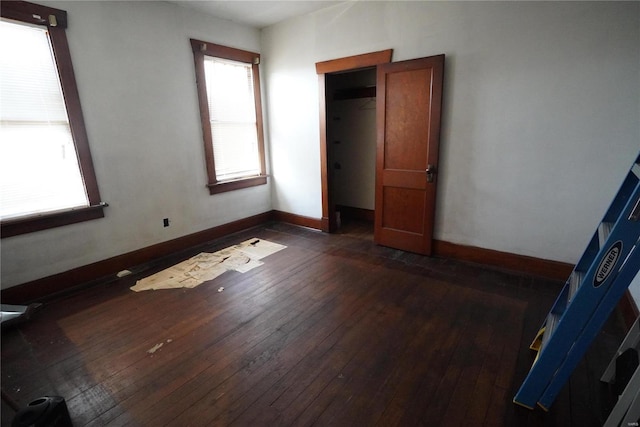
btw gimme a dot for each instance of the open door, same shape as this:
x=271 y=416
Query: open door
x=409 y=100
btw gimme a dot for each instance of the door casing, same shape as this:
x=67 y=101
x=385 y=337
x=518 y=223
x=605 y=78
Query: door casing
x=350 y=63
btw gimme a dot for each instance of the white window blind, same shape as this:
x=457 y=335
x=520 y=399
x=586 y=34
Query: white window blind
x=39 y=169
x=232 y=113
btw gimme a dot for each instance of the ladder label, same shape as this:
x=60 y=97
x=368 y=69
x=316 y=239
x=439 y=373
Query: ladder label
x=607 y=264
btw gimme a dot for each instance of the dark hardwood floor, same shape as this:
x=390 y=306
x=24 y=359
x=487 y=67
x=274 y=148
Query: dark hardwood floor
x=333 y=330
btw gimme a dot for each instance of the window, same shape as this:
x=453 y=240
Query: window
x=228 y=84
x=46 y=173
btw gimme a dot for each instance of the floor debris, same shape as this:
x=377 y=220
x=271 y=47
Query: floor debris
x=155 y=348
x=207 y=266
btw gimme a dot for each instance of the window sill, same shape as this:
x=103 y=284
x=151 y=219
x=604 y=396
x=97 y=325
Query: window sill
x=221 y=187
x=17 y=226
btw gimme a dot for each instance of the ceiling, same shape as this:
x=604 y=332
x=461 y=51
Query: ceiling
x=257 y=14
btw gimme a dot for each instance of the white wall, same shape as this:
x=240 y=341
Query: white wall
x=352 y=122
x=135 y=74
x=354 y=183
x=541 y=115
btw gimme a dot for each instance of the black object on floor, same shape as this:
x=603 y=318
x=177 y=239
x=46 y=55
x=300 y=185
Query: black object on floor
x=47 y=411
x=626 y=365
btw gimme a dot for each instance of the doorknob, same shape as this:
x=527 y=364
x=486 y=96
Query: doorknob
x=431 y=171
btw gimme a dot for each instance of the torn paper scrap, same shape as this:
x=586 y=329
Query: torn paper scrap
x=173 y=277
x=204 y=274
x=253 y=263
x=258 y=248
x=155 y=348
x=207 y=266
x=235 y=260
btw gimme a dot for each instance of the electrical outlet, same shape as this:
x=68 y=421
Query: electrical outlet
x=165 y=222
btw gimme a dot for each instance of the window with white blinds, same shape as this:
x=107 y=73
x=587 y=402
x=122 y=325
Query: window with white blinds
x=228 y=84
x=232 y=114
x=39 y=170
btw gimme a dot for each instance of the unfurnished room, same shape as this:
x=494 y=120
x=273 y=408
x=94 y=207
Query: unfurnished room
x=344 y=213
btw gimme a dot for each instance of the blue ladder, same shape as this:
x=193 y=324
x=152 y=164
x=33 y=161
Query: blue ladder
x=598 y=281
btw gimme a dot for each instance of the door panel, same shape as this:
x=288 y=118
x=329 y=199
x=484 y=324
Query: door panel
x=401 y=209
x=403 y=145
x=408 y=132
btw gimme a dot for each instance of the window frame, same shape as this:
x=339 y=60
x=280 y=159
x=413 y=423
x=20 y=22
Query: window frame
x=200 y=50
x=56 y=22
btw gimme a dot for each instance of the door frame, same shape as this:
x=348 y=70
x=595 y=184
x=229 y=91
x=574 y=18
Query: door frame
x=346 y=64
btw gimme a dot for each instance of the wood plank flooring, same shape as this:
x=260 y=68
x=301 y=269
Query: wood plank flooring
x=333 y=330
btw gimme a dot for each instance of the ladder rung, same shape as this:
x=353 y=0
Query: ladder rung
x=575 y=280
x=604 y=229
x=550 y=326
x=587 y=312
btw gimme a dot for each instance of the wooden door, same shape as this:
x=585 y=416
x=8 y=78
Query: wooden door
x=409 y=99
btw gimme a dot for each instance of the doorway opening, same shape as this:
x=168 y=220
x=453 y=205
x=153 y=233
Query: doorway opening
x=351 y=144
x=350 y=79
